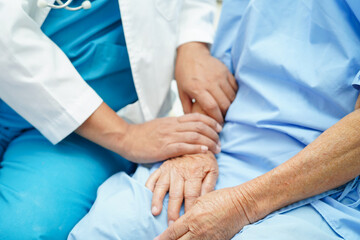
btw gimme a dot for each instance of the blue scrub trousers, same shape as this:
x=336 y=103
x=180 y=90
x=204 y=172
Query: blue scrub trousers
x=45 y=189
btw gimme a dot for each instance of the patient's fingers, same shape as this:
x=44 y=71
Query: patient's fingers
x=210 y=106
x=221 y=99
x=185 y=101
x=160 y=190
x=192 y=192
x=199 y=128
x=228 y=90
x=176 y=230
x=197 y=117
x=357 y=104
x=232 y=81
x=209 y=182
x=176 y=195
x=150 y=183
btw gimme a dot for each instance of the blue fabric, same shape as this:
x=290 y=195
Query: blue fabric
x=296 y=63
x=44 y=189
x=94 y=42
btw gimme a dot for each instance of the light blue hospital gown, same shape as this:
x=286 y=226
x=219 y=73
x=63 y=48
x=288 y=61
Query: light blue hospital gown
x=297 y=64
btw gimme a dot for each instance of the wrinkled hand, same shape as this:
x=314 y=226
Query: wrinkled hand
x=216 y=215
x=204 y=78
x=185 y=178
x=357 y=104
x=169 y=137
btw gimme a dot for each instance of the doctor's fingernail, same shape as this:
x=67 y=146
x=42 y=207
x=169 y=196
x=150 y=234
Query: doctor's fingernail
x=170 y=223
x=204 y=148
x=154 y=210
x=218 y=127
x=218 y=148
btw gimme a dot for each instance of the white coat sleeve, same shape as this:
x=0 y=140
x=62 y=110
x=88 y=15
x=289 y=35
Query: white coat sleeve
x=197 y=21
x=36 y=78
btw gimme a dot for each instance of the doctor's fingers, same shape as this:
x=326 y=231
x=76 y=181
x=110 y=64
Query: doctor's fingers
x=176 y=197
x=210 y=106
x=200 y=128
x=161 y=188
x=197 y=139
x=198 y=117
x=179 y=149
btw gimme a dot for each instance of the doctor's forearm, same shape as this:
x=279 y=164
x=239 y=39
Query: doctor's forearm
x=330 y=161
x=104 y=127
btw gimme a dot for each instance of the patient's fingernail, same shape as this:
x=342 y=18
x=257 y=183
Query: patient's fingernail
x=204 y=148
x=170 y=223
x=218 y=127
x=157 y=238
x=154 y=210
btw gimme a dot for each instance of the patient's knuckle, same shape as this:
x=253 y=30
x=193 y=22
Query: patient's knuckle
x=172 y=233
x=175 y=195
x=191 y=195
x=161 y=185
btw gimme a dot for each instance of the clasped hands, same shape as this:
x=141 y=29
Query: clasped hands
x=191 y=178
x=208 y=214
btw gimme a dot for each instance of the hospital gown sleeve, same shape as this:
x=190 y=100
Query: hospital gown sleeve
x=36 y=78
x=196 y=21
x=228 y=27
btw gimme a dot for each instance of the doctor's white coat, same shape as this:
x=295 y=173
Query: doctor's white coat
x=39 y=82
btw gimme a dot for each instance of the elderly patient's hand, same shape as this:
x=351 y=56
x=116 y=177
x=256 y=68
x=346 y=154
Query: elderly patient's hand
x=186 y=177
x=216 y=215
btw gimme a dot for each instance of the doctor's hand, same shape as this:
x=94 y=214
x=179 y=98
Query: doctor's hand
x=185 y=178
x=152 y=141
x=170 y=137
x=204 y=78
x=216 y=215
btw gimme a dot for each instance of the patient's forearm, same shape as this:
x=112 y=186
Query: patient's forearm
x=330 y=161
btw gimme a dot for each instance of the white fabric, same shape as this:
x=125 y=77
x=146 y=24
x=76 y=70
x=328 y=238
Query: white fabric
x=39 y=82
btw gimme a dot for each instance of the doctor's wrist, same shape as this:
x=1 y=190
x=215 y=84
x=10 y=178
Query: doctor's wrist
x=105 y=128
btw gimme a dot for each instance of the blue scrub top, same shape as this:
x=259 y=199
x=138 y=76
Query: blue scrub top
x=296 y=63
x=94 y=42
